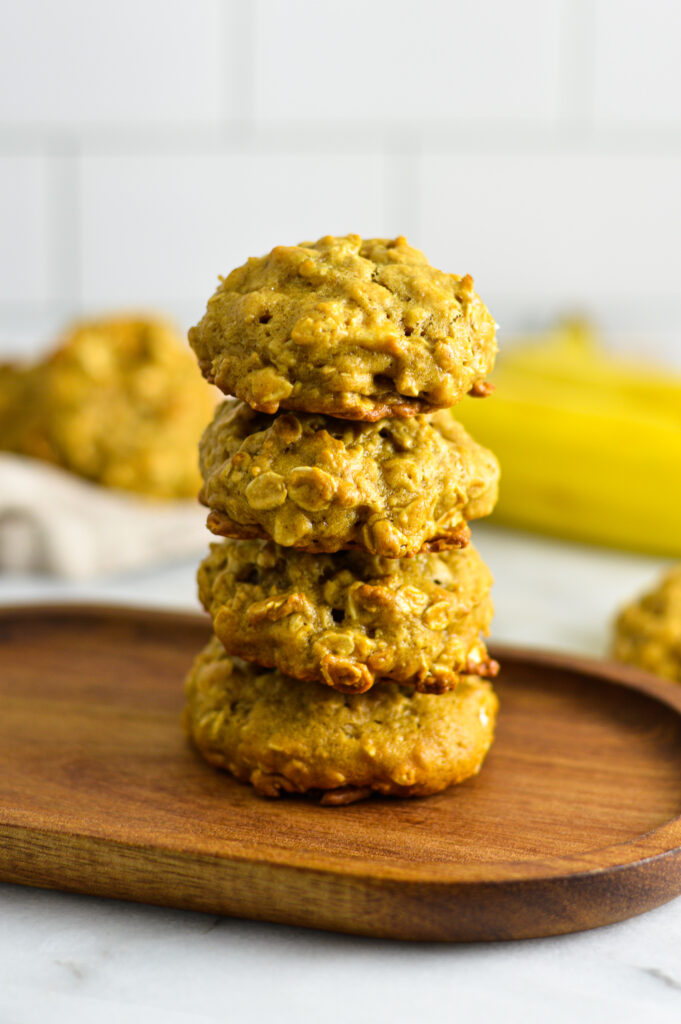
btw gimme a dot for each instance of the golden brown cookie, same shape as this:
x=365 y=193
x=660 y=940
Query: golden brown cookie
x=648 y=631
x=308 y=481
x=359 y=329
x=121 y=403
x=283 y=735
x=351 y=619
x=14 y=383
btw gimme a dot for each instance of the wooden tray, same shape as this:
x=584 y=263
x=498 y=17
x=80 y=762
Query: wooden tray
x=573 y=822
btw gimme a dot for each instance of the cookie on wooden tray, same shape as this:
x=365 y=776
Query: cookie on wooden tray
x=351 y=619
x=284 y=735
x=648 y=631
x=359 y=329
x=394 y=487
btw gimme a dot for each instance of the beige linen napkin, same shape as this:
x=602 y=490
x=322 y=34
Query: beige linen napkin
x=53 y=522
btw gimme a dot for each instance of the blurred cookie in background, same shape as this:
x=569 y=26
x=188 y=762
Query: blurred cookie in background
x=648 y=631
x=119 y=402
x=14 y=381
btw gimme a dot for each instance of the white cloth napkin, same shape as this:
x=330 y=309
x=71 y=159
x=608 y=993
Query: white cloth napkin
x=53 y=522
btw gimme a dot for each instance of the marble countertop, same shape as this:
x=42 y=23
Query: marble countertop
x=80 y=959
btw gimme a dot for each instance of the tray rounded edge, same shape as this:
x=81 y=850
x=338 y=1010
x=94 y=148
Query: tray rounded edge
x=643 y=853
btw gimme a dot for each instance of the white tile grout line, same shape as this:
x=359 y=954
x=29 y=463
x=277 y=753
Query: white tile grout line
x=239 y=70
x=576 y=100
x=244 y=68
x=402 y=172
x=564 y=136
x=63 y=233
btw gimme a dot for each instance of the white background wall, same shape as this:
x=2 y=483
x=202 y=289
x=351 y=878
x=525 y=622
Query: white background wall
x=148 y=145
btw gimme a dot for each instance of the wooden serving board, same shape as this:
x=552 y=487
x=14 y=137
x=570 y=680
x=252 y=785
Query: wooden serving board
x=573 y=822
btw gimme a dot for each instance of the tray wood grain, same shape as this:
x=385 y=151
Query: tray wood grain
x=574 y=821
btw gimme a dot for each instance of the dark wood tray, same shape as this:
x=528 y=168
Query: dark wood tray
x=573 y=822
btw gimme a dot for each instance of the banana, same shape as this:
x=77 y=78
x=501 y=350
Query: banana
x=589 y=443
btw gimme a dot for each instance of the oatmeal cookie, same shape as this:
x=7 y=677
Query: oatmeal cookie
x=121 y=403
x=359 y=329
x=14 y=383
x=281 y=734
x=308 y=481
x=648 y=631
x=351 y=619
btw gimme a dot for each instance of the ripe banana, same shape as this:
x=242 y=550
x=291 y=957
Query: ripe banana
x=589 y=443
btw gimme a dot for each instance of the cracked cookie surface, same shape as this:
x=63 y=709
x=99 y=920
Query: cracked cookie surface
x=351 y=619
x=394 y=487
x=359 y=329
x=284 y=735
x=648 y=631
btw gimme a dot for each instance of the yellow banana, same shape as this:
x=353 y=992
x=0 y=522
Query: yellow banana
x=589 y=443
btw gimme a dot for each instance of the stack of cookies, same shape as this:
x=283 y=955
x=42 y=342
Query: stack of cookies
x=348 y=605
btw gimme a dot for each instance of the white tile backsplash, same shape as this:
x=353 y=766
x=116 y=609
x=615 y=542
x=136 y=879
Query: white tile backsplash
x=75 y=61
x=397 y=60
x=563 y=229
x=162 y=229
x=24 y=231
x=637 y=67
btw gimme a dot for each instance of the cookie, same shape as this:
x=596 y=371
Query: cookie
x=308 y=481
x=648 y=631
x=14 y=384
x=351 y=619
x=121 y=403
x=359 y=329
x=283 y=735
